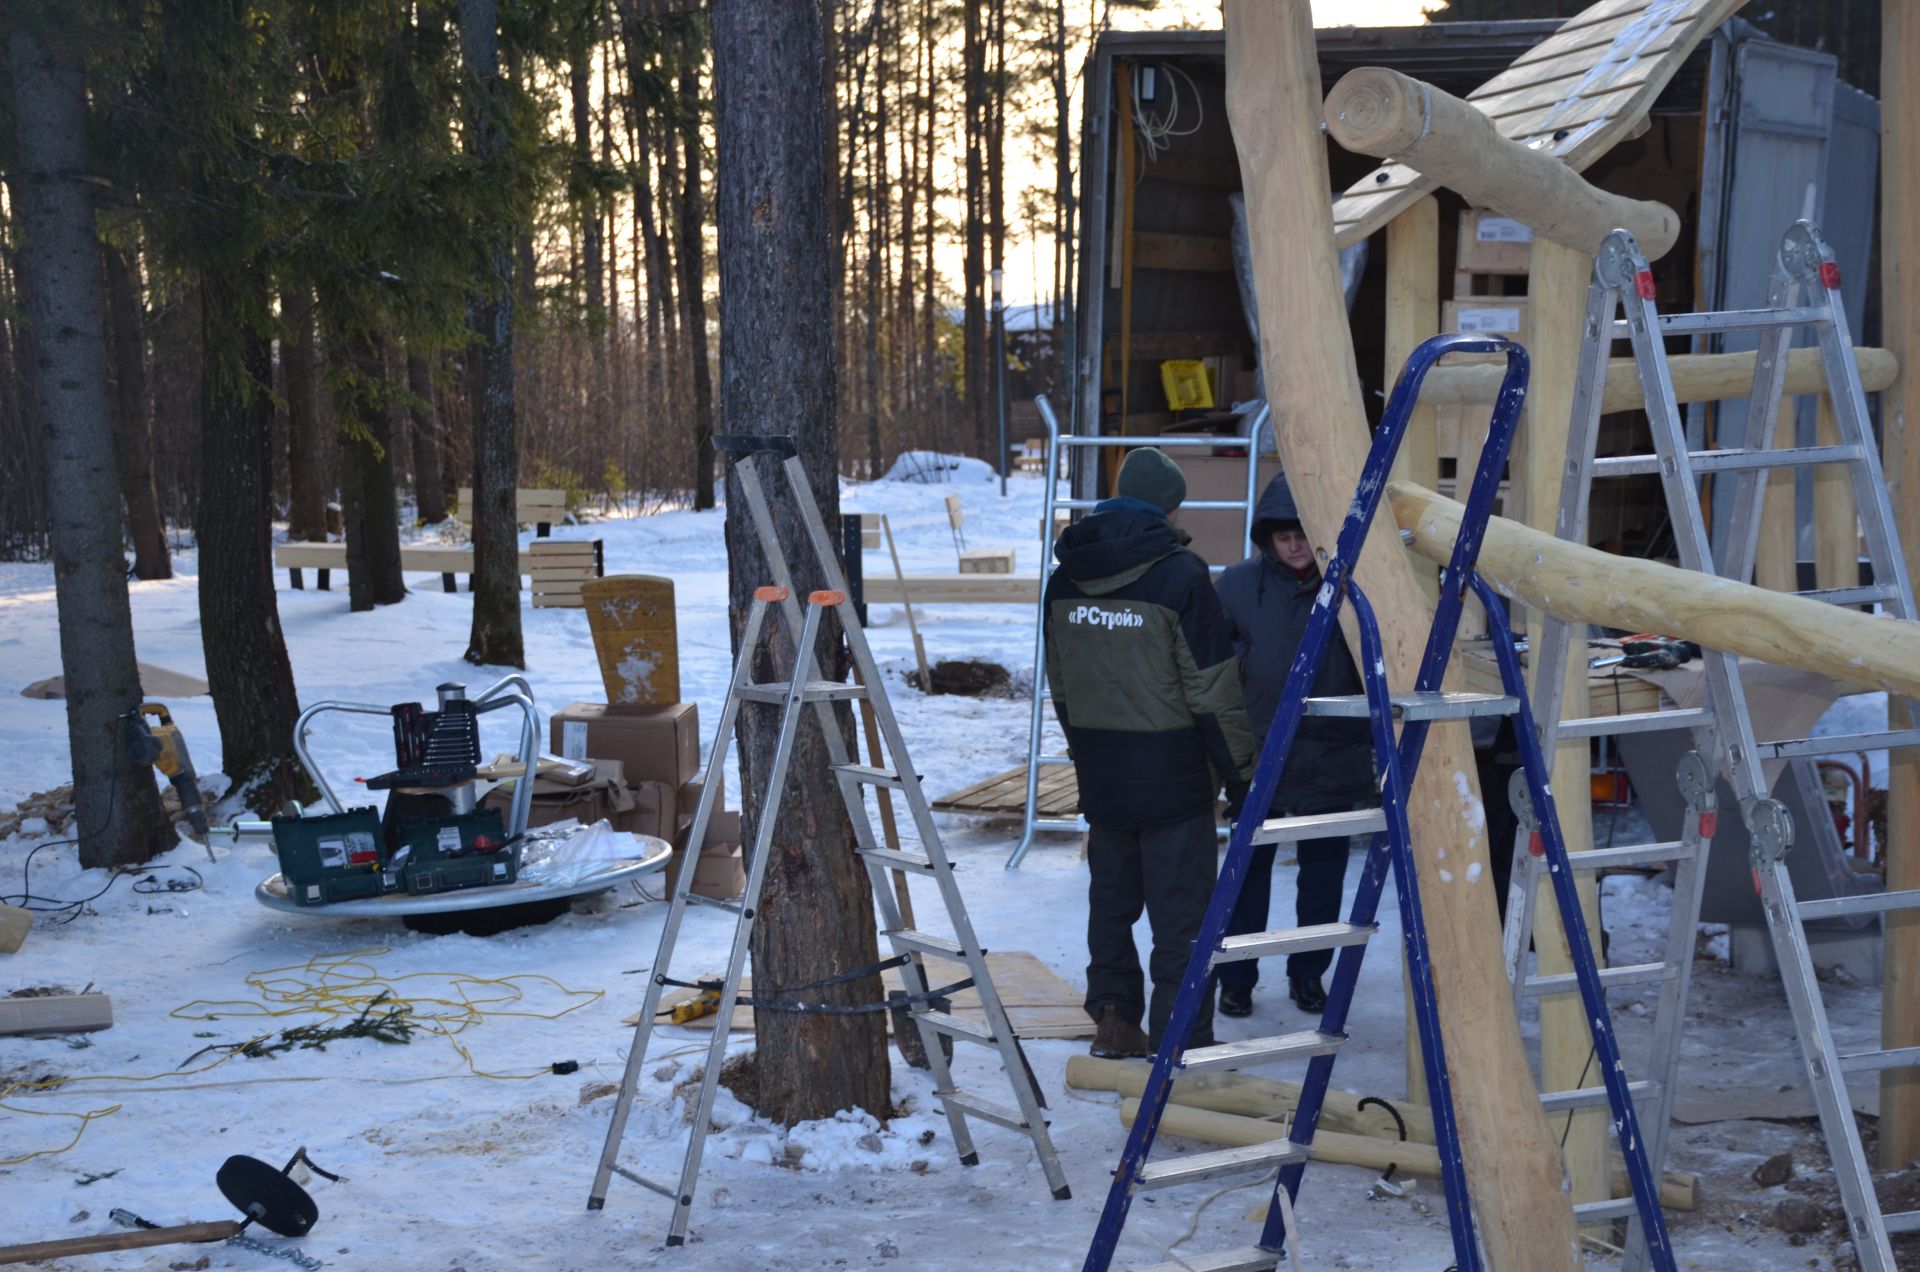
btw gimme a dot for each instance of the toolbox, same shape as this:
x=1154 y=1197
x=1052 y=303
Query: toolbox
x=441 y=854
x=333 y=857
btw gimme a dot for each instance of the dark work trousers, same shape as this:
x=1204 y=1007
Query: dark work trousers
x=1169 y=872
x=1323 y=873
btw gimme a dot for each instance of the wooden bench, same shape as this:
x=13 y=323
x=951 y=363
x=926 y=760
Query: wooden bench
x=541 y=509
x=558 y=567
x=450 y=560
x=1032 y=457
x=974 y=560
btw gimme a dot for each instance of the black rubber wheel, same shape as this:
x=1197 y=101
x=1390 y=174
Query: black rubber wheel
x=265 y=1195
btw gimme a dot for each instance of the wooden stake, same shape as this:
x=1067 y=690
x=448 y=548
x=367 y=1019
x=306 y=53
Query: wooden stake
x=1899 y=256
x=1513 y=1165
x=906 y=603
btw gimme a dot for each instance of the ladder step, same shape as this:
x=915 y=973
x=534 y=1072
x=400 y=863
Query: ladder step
x=1305 y=940
x=1417 y=706
x=1866 y=903
x=1851 y=595
x=921 y=942
x=1721 y=461
x=1619 y=1208
x=646 y=1183
x=732 y=907
x=1901 y=1221
x=1631 y=855
x=1610 y=977
x=1291 y=830
x=1634 y=722
x=1248 y=1259
x=868 y=775
x=911 y=862
x=1884 y=740
x=1875 y=1061
x=1731 y=320
x=812 y=691
x=1247 y=1051
x=1592 y=1097
x=958 y=1028
x=984 y=1109
x=1226 y=1161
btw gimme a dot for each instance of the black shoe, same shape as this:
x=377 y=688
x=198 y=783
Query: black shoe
x=1306 y=993
x=1117 y=1038
x=1235 y=1001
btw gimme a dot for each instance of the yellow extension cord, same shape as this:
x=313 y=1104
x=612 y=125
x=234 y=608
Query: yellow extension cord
x=334 y=986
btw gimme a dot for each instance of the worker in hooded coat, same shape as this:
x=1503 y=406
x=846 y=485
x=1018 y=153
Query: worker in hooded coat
x=1268 y=599
x=1148 y=693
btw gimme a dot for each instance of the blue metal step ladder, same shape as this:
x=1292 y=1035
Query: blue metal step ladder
x=1390 y=849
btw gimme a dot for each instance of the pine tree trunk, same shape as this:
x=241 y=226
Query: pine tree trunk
x=428 y=490
x=973 y=261
x=306 y=440
x=693 y=275
x=777 y=376
x=495 y=638
x=248 y=671
x=116 y=805
x=368 y=512
x=132 y=417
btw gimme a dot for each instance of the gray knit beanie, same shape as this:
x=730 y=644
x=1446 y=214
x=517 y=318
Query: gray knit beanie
x=1149 y=475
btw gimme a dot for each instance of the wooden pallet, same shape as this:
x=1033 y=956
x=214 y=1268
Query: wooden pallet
x=1059 y=794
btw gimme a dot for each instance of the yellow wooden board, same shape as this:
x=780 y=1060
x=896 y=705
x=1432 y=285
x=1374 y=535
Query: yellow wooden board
x=1576 y=95
x=636 y=637
x=1039 y=1003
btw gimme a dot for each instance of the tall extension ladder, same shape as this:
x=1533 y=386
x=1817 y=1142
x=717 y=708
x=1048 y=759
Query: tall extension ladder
x=1390 y=849
x=1057 y=442
x=793 y=697
x=1805 y=295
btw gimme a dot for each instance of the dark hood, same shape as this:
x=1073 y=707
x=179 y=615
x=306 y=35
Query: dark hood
x=1108 y=550
x=1276 y=504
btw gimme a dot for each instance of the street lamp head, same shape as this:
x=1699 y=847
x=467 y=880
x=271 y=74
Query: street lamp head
x=996 y=274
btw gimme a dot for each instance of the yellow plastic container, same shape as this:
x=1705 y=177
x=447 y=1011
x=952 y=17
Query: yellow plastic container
x=1187 y=385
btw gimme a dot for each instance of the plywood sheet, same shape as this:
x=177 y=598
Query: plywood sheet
x=636 y=636
x=1576 y=95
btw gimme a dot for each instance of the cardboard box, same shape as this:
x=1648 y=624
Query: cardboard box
x=654 y=744
x=655 y=811
x=689 y=796
x=1489 y=315
x=606 y=794
x=1219 y=535
x=1493 y=244
x=723 y=829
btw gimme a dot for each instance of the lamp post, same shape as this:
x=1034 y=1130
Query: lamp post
x=1000 y=376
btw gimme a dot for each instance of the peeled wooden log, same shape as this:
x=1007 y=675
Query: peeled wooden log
x=1697 y=377
x=1375 y=111
x=1584 y=585
x=1678 y=1190
x=1252 y=1097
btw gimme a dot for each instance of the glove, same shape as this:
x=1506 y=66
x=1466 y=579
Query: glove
x=1236 y=799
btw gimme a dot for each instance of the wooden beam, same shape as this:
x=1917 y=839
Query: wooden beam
x=1836 y=526
x=1862 y=651
x=1251 y=1096
x=1512 y=1163
x=1697 y=377
x=1192 y=253
x=55 y=1014
x=1380 y=112
x=1899 y=257
x=1776 y=562
x=134 y=1239
x=1155 y=345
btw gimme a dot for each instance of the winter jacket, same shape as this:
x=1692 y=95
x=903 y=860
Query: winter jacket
x=1142 y=671
x=1330 y=766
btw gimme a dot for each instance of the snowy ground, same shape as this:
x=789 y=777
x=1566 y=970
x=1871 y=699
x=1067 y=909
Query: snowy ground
x=449 y=1170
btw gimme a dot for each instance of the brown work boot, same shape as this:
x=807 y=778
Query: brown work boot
x=1117 y=1038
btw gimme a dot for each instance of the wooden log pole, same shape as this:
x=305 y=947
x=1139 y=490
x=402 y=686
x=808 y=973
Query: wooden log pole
x=106 y=1242
x=1512 y=1162
x=1836 y=526
x=1899 y=293
x=1863 y=651
x=1777 y=554
x=1697 y=377
x=1375 y=111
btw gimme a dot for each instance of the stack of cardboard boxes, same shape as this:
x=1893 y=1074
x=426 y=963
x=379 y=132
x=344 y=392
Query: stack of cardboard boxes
x=657 y=749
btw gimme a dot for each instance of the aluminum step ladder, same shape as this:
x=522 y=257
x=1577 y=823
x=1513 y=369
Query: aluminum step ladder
x=1059 y=443
x=1805 y=296
x=1023 y=1111
x=1390 y=850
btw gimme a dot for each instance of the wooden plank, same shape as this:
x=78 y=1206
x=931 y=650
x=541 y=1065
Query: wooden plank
x=1214 y=174
x=954 y=589
x=1413 y=315
x=986 y=560
x=320 y=556
x=1191 y=253
x=636 y=637
x=1153 y=346
x=55 y=1014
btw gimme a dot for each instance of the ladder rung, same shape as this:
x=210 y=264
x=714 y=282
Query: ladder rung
x=957 y=1027
x=1592 y=1097
x=870 y=776
x=1619 y=1208
x=1722 y=461
x=938 y=946
x=1794 y=748
x=1874 y=1061
x=1246 y=1259
x=1291 y=830
x=984 y=1109
x=1226 y=1161
x=911 y=862
x=1631 y=855
x=1901 y=1221
x=1631 y=974
x=694 y=898
x=1418 y=706
x=1232 y=1055
x=1634 y=722
x=1865 y=903
x=1730 y=320
x=1851 y=595
x=646 y=1183
x=812 y=691
x=1304 y=940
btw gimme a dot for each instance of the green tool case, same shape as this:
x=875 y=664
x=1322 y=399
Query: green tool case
x=332 y=857
x=442 y=854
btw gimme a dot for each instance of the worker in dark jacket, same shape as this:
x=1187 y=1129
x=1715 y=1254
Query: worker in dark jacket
x=1147 y=690
x=1268 y=599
